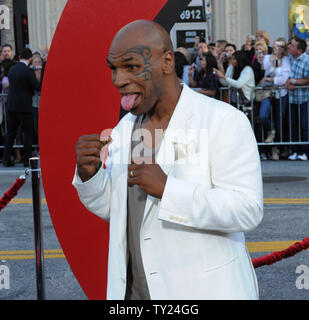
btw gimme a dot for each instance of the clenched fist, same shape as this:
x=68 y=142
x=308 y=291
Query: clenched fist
x=88 y=149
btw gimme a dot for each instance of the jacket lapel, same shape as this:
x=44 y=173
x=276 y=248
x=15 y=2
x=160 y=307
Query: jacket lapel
x=122 y=183
x=175 y=133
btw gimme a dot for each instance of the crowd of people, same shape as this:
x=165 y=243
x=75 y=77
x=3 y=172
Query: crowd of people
x=207 y=68
x=251 y=75
x=21 y=80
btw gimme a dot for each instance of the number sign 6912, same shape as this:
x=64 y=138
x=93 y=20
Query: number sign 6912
x=192 y=14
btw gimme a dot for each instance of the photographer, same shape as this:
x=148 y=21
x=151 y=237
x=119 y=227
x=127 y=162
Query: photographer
x=262 y=35
x=261 y=50
x=248 y=47
x=220 y=46
x=277 y=72
x=224 y=61
x=205 y=81
x=203 y=48
x=194 y=51
x=241 y=80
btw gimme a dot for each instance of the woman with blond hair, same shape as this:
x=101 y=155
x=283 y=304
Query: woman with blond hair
x=277 y=72
x=220 y=46
x=261 y=50
x=262 y=35
x=220 y=49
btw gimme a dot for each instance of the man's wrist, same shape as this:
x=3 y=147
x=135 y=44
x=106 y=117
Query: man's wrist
x=86 y=176
x=293 y=81
x=99 y=166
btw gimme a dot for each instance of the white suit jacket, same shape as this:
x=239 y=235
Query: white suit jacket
x=192 y=240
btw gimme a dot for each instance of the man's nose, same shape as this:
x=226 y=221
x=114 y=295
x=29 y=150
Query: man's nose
x=120 y=78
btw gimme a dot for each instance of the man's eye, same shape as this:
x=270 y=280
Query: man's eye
x=131 y=67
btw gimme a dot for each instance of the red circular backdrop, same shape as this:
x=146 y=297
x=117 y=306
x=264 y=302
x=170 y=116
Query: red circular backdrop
x=78 y=98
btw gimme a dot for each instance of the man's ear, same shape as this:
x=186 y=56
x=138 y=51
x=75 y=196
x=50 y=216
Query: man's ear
x=168 y=63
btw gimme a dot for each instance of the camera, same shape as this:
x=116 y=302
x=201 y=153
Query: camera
x=260 y=53
x=194 y=66
x=277 y=63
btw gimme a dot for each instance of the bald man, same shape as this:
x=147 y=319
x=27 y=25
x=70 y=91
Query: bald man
x=181 y=185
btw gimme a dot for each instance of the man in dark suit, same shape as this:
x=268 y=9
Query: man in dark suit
x=23 y=82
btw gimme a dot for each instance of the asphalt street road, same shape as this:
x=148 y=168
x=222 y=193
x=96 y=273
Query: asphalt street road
x=286 y=220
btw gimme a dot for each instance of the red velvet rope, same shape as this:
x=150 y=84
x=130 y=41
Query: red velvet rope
x=279 y=255
x=257 y=262
x=11 y=193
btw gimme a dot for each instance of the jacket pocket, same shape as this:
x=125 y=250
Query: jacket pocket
x=217 y=267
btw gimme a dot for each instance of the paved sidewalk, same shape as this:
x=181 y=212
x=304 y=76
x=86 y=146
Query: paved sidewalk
x=286 y=194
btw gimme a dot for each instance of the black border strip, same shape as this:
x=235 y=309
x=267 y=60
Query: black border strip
x=170 y=13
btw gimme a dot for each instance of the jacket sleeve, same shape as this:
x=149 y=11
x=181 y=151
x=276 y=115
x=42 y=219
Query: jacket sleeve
x=235 y=202
x=229 y=74
x=33 y=82
x=245 y=76
x=95 y=194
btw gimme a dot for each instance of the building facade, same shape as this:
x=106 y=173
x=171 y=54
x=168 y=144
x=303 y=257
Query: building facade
x=33 y=22
x=234 y=20
x=43 y=20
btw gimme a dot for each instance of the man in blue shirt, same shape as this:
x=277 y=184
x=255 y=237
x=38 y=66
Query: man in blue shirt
x=299 y=97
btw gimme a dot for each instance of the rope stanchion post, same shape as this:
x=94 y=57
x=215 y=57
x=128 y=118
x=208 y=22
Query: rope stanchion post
x=38 y=238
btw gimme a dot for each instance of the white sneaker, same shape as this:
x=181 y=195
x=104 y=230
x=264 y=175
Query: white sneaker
x=275 y=154
x=270 y=136
x=293 y=157
x=302 y=157
x=263 y=157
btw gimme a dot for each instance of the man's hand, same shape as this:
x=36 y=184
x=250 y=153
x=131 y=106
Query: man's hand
x=88 y=149
x=289 y=85
x=219 y=73
x=149 y=177
x=260 y=60
x=223 y=57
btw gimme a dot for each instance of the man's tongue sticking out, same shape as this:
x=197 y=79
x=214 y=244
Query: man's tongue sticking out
x=128 y=101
